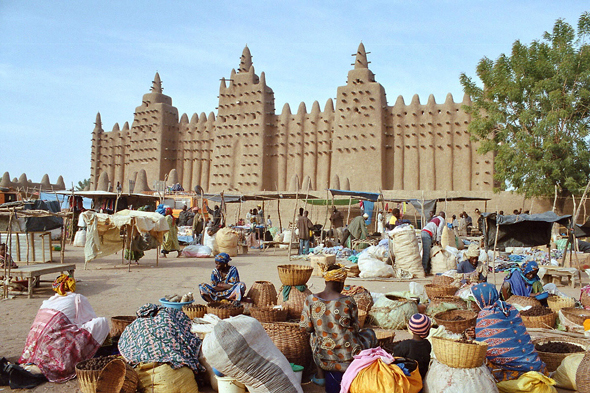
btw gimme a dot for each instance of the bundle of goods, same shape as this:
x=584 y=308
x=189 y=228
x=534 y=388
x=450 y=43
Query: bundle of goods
x=393 y=312
x=269 y=313
x=433 y=291
x=445 y=303
x=523 y=301
x=362 y=297
x=439 y=280
x=576 y=315
x=538 y=317
x=456 y=321
x=263 y=293
x=227 y=241
x=293 y=275
x=157 y=377
x=224 y=310
x=177 y=301
x=119 y=323
x=441 y=260
x=405 y=247
x=195 y=311
x=353 y=270
x=371 y=267
x=444 y=379
x=294 y=291
x=233 y=346
x=583 y=375
x=552 y=350
x=320 y=263
x=106 y=374
x=556 y=303
x=461 y=353
x=291 y=341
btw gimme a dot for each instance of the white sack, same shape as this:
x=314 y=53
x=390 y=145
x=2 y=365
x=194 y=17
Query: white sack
x=406 y=251
x=444 y=379
x=371 y=267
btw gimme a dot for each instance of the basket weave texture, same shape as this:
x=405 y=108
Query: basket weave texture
x=433 y=291
x=442 y=280
x=88 y=379
x=269 y=314
x=583 y=375
x=294 y=304
x=444 y=318
x=541 y=321
x=556 y=303
x=384 y=336
x=459 y=355
x=119 y=323
x=294 y=274
x=585 y=299
x=576 y=315
x=553 y=360
x=361 y=296
x=523 y=301
x=195 y=311
x=225 y=312
x=456 y=300
x=362 y=317
x=263 y=293
x=291 y=341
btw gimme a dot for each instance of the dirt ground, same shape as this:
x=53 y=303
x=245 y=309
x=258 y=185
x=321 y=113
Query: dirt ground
x=113 y=290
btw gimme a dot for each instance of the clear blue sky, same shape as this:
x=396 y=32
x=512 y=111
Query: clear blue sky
x=61 y=62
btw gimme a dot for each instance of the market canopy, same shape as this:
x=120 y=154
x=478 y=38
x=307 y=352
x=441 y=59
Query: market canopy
x=335 y=202
x=226 y=198
x=522 y=230
x=367 y=196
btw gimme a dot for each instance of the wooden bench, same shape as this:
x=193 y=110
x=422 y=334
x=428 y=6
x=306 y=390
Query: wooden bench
x=34 y=272
x=555 y=275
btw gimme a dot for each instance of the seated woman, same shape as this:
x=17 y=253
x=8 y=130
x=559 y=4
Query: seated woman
x=5 y=257
x=523 y=282
x=511 y=352
x=225 y=282
x=65 y=332
x=471 y=269
x=332 y=320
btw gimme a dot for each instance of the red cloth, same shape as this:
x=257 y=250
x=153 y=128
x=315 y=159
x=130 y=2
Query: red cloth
x=56 y=345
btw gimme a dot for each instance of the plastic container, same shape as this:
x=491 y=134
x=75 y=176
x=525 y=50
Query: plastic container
x=229 y=385
x=176 y=305
x=298 y=370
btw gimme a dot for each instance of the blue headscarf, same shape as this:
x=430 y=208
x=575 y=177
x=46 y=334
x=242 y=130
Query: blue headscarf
x=222 y=258
x=486 y=295
x=520 y=285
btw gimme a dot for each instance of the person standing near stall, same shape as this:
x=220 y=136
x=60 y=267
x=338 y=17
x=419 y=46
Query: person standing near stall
x=304 y=225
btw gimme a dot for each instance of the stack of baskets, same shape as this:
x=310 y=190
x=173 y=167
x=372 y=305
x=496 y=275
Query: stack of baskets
x=116 y=376
x=294 y=275
x=119 y=323
x=291 y=341
x=438 y=304
x=576 y=315
x=553 y=360
x=195 y=311
x=556 y=303
x=523 y=301
x=269 y=314
x=263 y=293
x=433 y=290
x=438 y=280
x=456 y=321
x=224 y=310
x=362 y=297
x=459 y=354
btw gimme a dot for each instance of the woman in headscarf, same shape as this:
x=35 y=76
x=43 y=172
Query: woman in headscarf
x=523 y=282
x=511 y=352
x=332 y=321
x=65 y=331
x=225 y=282
x=170 y=237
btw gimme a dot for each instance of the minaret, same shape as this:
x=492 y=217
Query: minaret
x=95 y=152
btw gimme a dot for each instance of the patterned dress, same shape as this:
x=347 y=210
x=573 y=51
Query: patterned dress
x=232 y=277
x=335 y=334
x=171 y=237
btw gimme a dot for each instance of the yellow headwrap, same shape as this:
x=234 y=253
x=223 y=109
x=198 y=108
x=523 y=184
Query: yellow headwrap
x=64 y=283
x=336 y=274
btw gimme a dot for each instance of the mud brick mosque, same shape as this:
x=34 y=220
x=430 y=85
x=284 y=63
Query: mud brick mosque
x=358 y=142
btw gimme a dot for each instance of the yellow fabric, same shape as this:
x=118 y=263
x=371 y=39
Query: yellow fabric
x=161 y=378
x=336 y=274
x=385 y=378
x=392 y=220
x=586 y=324
x=531 y=382
x=565 y=375
x=64 y=284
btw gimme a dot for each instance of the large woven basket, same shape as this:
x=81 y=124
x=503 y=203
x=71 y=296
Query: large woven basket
x=384 y=336
x=459 y=326
x=194 y=310
x=88 y=379
x=583 y=375
x=119 y=323
x=442 y=280
x=458 y=354
x=456 y=300
x=433 y=291
x=224 y=312
x=269 y=314
x=362 y=317
x=542 y=321
x=576 y=315
x=556 y=303
x=361 y=296
x=291 y=341
x=294 y=304
x=523 y=301
x=553 y=360
x=263 y=293
x=294 y=274
x=585 y=299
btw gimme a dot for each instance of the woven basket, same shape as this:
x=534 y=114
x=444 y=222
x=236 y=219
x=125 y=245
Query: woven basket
x=362 y=297
x=88 y=379
x=119 y=323
x=362 y=317
x=263 y=293
x=291 y=341
x=553 y=360
x=585 y=299
x=439 y=280
x=295 y=303
x=456 y=300
x=384 y=336
x=556 y=303
x=576 y=315
x=294 y=274
x=433 y=291
x=444 y=318
x=194 y=311
x=269 y=314
x=225 y=312
x=457 y=354
x=543 y=321
x=523 y=301
x=583 y=375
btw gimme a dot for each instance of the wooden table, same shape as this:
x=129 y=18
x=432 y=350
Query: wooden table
x=554 y=274
x=32 y=272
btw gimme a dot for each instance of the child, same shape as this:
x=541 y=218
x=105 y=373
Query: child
x=418 y=347
x=4 y=257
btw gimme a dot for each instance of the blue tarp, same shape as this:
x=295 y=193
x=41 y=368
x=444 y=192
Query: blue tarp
x=369 y=196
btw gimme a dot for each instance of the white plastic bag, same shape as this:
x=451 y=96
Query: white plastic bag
x=444 y=379
x=80 y=238
x=371 y=267
x=196 y=251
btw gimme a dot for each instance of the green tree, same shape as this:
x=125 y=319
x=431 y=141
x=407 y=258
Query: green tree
x=83 y=184
x=533 y=112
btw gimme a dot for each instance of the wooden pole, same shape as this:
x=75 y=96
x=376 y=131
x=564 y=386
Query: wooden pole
x=495 y=248
x=130 y=241
x=348 y=215
x=7 y=264
x=290 y=226
x=28 y=246
x=422 y=215
x=327 y=214
x=157 y=255
x=279 y=214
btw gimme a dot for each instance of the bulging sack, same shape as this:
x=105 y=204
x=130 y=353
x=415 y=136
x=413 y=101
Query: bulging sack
x=161 y=378
x=393 y=312
x=441 y=260
x=406 y=250
x=444 y=379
